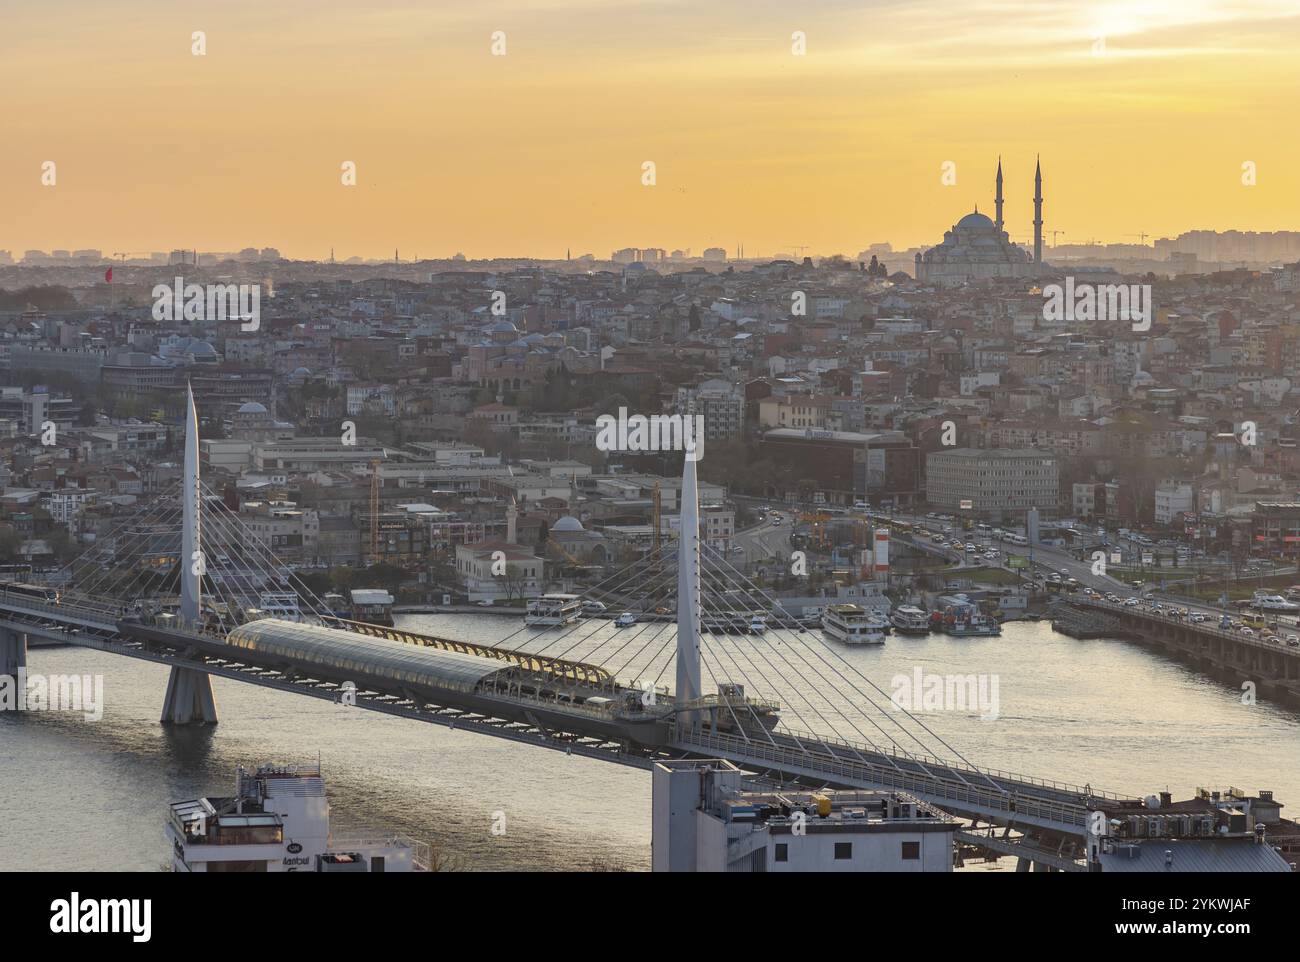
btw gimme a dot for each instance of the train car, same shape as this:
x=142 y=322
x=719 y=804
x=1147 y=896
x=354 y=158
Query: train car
x=46 y=593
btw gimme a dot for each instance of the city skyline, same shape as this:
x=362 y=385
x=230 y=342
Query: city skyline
x=1133 y=109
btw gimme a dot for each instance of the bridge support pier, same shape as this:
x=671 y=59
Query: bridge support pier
x=13 y=652
x=189 y=699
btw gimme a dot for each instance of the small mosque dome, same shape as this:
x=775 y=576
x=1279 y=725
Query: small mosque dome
x=567 y=523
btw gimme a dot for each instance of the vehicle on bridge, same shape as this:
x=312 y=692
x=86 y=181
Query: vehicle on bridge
x=45 y=593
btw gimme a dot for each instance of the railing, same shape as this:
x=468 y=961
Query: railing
x=962 y=768
x=967 y=797
x=1200 y=627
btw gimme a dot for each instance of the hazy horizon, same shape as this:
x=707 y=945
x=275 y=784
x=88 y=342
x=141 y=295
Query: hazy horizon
x=1143 y=114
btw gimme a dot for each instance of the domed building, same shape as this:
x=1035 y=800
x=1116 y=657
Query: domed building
x=253 y=422
x=978 y=247
x=569 y=540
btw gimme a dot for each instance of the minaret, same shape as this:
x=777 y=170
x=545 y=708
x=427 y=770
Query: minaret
x=1038 y=212
x=512 y=515
x=997 y=220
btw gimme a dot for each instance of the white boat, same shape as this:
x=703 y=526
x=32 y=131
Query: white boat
x=852 y=624
x=553 y=610
x=278 y=820
x=1270 y=602
x=910 y=620
x=972 y=624
x=625 y=620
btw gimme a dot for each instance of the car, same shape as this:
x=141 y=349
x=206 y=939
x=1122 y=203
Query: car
x=861 y=505
x=1132 y=603
x=776 y=520
x=1248 y=631
x=1065 y=572
x=1197 y=616
x=485 y=603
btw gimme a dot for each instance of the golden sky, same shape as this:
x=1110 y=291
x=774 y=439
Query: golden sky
x=541 y=149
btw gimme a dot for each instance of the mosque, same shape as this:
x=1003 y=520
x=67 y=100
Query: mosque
x=978 y=247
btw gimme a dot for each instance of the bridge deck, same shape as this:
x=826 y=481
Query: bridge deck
x=994 y=797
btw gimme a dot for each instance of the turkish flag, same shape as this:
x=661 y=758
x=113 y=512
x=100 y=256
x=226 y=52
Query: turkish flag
x=108 y=276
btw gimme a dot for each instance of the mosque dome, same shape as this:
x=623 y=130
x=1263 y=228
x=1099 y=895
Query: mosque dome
x=252 y=407
x=975 y=221
x=567 y=523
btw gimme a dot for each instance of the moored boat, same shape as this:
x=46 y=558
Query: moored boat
x=553 y=610
x=852 y=624
x=910 y=620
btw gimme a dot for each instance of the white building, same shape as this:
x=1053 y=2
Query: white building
x=704 y=821
x=499 y=571
x=993 y=482
x=1173 y=499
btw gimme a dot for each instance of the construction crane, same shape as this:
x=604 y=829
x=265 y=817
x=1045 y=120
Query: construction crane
x=1141 y=236
x=123 y=255
x=799 y=248
x=1054 y=233
x=818 y=535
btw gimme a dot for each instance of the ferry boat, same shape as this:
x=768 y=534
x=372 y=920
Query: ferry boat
x=852 y=624
x=1265 y=601
x=337 y=605
x=278 y=820
x=910 y=620
x=971 y=625
x=553 y=609
x=625 y=620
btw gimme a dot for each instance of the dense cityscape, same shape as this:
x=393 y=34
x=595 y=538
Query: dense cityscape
x=614 y=440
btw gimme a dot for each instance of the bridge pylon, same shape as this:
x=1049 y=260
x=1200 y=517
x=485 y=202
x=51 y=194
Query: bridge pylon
x=13 y=652
x=688 y=596
x=189 y=699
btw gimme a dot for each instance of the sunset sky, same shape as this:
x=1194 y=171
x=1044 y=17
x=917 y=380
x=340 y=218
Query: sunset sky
x=541 y=150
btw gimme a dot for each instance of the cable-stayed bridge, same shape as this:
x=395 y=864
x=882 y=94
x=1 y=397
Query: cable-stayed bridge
x=186 y=585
